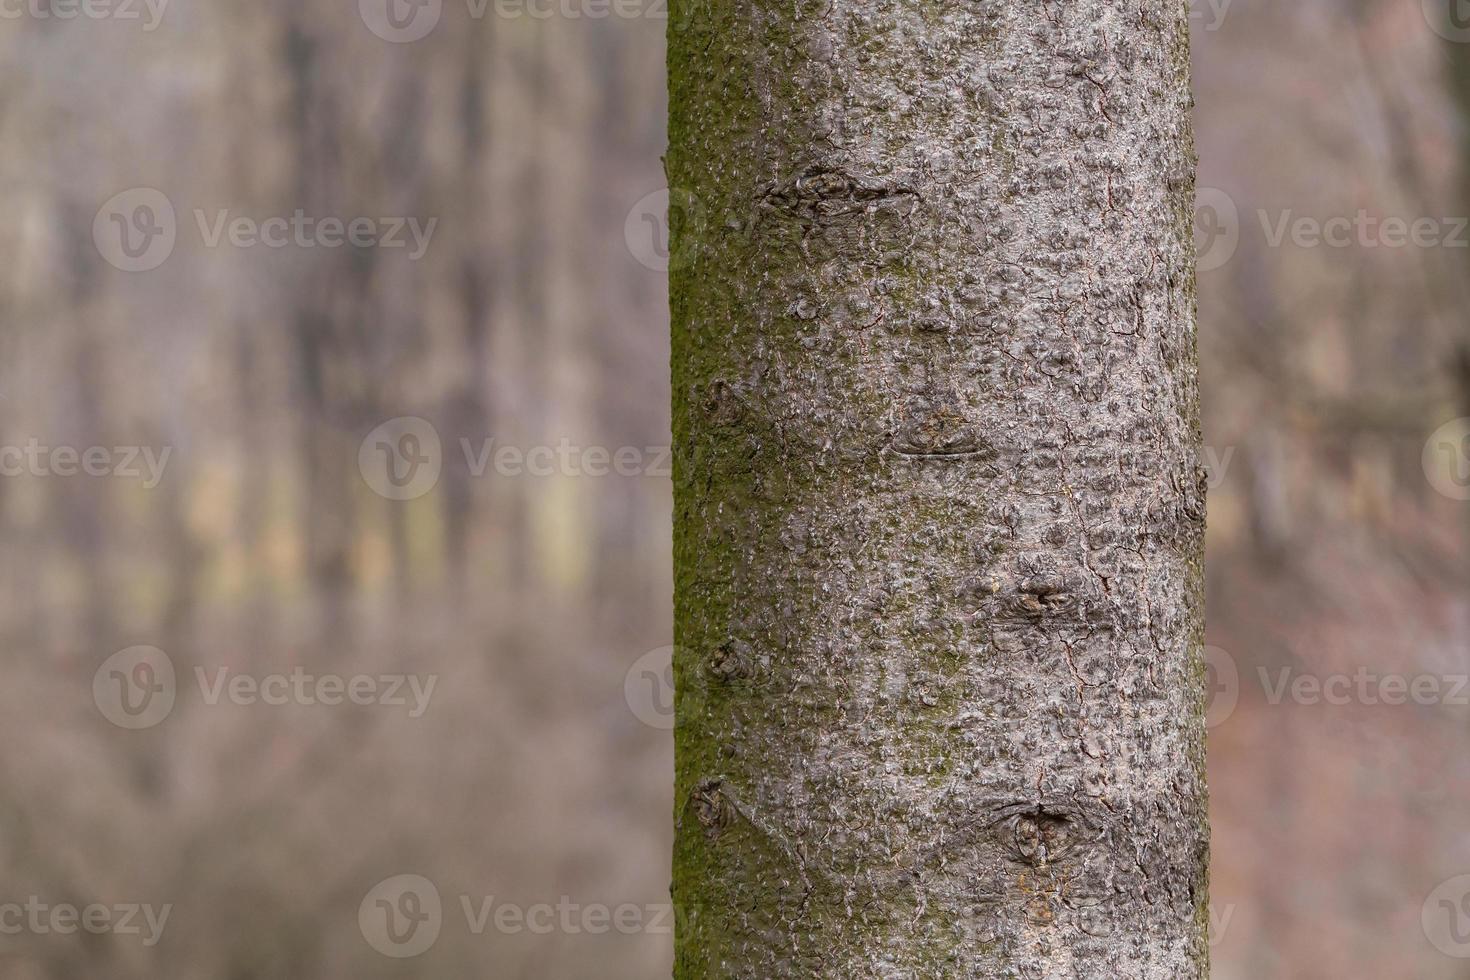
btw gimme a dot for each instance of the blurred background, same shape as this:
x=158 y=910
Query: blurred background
x=335 y=589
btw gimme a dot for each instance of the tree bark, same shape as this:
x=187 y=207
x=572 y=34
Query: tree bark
x=938 y=503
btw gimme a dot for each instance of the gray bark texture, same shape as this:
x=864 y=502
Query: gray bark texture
x=938 y=507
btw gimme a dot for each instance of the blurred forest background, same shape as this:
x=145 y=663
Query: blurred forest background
x=537 y=314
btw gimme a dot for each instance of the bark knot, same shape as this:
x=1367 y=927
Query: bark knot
x=1045 y=834
x=822 y=194
x=938 y=429
x=731 y=661
x=712 y=807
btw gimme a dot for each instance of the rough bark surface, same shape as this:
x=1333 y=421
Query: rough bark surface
x=939 y=512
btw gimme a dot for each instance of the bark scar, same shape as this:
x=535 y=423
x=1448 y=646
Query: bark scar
x=938 y=431
x=822 y=194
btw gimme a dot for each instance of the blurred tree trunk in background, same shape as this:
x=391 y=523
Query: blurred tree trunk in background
x=938 y=500
x=531 y=269
x=1457 y=63
x=323 y=334
x=468 y=412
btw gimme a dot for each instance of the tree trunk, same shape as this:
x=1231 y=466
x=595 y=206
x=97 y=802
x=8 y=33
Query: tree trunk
x=938 y=506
